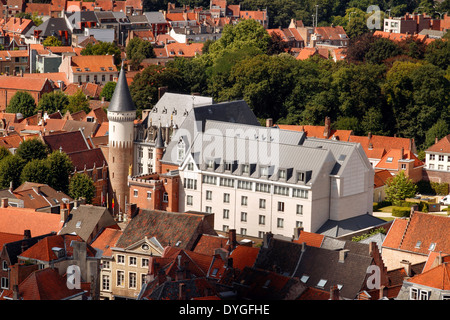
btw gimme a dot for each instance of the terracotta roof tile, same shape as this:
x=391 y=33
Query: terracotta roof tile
x=310 y=238
x=107 y=240
x=16 y=220
x=442 y=146
x=380 y=178
x=391 y=159
x=419 y=234
x=22 y=83
x=67 y=141
x=438 y=277
x=45 y=284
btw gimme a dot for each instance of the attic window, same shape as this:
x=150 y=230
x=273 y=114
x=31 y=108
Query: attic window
x=321 y=283
x=110 y=68
x=78 y=225
x=86 y=69
x=102 y=68
x=304 y=278
x=432 y=246
x=78 y=69
x=342 y=157
x=55 y=201
x=418 y=244
x=389 y=159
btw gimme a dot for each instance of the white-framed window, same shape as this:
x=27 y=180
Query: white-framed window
x=208 y=195
x=105 y=282
x=144 y=262
x=280 y=223
x=280 y=206
x=282 y=174
x=262 y=220
x=4 y=265
x=226 y=198
x=120 y=278
x=225 y=228
x=106 y=265
x=120 y=259
x=244 y=200
x=245 y=168
x=432 y=156
x=441 y=157
x=4 y=283
x=132 y=261
x=262 y=203
x=243 y=231
x=299 y=210
x=208 y=209
x=165 y=197
x=226 y=213
x=180 y=150
x=418 y=294
x=132 y=280
x=244 y=216
x=424 y=295
x=149 y=194
x=135 y=193
x=189 y=200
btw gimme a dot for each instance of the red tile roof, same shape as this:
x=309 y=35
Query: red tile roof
x=16 y=220
x=45 y=284
x=317 y=131
x=391 y=159
x=438 y=277
x=423 y=227
x=9 y=237
x=311 y=239
x=107 y=240
x=43 y=250
x=331 y=33
x=184 y=50
x=93 y=63
x=380 y=178
x=314 y=294
x=375 y=146
x=21 y=83
x=442 y=146
x=244 y=256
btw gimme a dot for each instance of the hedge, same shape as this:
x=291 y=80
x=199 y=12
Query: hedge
x=401 y=211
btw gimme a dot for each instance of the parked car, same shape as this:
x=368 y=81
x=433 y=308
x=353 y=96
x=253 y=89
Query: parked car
x=445 y=200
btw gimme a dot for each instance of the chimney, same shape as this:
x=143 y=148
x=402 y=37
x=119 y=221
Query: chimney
x=343 y=255
x=182 y=291
x=407 y=265
x=327 y=130
x=131 y=210
x=269 y=122
x=4 y=202
x=161 y=276
x=266 y=239
x=64 y=213
x=15 y=292
x=232 y=239
x=369 y=135
x=161 y=91
x=26 y=234
x=297 y=232
x=436 y=140
x=334 y=293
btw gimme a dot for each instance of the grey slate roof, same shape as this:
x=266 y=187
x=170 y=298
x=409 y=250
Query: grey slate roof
x=337 y=229
x=230 y=112
x=121 y=100
x=173 y=108
x=87 y=217
x=51 y=27
x=155 y=17
x=288 y=258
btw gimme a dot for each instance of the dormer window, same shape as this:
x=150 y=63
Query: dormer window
x=282 y=174
x=245 y=168
x=227 y=166
x=389 y=159
x=301 y=177
x=180 y=150
x=264 y=171
x=210 y=164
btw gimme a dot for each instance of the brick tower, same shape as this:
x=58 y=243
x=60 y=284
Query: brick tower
x=121 y=116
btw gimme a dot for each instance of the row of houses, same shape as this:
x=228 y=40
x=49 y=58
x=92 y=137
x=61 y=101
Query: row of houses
x=159 y=255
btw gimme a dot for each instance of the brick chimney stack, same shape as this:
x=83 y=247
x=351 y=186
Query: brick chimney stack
x=327 y=130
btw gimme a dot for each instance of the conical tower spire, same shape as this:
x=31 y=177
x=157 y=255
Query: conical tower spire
x=121 y=100
x=159 y=143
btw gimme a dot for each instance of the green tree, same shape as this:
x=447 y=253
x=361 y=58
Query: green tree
x=138 y=50
x=439 y=130
x=108 y=90
x=103 y=48
x=4 y=152
x=62 y=167
x=10 y=170
x=400 y=187
x=144 y=88
x=37 y=170
x=22 y=102
x=382 y=49
x=82 y=186
x=78 y=102
x=53 y=101
x=32 y=149
x=52 y=41
x=438 y=53
x=245 y=33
